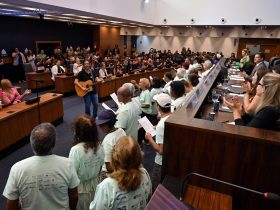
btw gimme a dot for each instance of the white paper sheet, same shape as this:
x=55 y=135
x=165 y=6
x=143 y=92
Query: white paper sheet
x=107 y=107
x=234 y=94
x=147 y=125
x=236 y=86
x=115 y=98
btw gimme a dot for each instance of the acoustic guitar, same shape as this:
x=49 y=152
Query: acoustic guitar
x=87 y=84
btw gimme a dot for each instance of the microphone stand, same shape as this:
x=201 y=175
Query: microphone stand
x=38 y=102
x=267 y=195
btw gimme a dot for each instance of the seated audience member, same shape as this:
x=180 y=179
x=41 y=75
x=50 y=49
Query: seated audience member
x=106 y=120
x=251 y=100
x=128 y=116
x=77 y=67
x=45 y=180
x=10 y=94
x=57 y=69
x=267 y=112
x=167 y=78
x=177 y=93
x=88 y=157
x=163 y=102
x=103 y=71
x=129 y=186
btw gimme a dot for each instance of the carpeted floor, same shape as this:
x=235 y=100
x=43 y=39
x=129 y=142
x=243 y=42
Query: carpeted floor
x=73 y=107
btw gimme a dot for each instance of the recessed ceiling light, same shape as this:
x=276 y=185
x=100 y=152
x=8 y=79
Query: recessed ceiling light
x=70 y=15
x=85 y=17
x=32 y=9
x=101 y=19
x=113 y=21
x=4 y=4
x=9 y=10
x=98 y=22
x=133 y=26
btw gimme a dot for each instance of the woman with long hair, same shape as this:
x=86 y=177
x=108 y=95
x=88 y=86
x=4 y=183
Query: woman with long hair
x=9 y=94
x=129 y=186
x=251 y=99
x=267 y=112
x=88 y=157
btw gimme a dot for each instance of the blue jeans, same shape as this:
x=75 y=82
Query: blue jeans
x=91 y=98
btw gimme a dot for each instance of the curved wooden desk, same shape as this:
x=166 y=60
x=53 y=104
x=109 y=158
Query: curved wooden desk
x=17 y=121
x=245 y=156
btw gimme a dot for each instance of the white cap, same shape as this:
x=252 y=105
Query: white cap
x=163 y=99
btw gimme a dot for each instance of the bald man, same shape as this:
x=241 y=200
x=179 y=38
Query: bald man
x=128 y=114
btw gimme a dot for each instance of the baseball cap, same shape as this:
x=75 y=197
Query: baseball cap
x=105 y=116
x=163 y=99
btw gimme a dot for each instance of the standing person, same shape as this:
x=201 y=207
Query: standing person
x=129 y=186
x=77 y=66
x=91 y=96
x=128 y=116
x=57 y=69
x=88 y=157
x=156 y=89
x=45 y=180
x=18 y=61
x=106 y=120
x=31 y=59
x=163 y=101
x=177 y=93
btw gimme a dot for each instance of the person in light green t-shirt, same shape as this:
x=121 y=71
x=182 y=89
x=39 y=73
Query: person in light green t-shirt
x=88 y=157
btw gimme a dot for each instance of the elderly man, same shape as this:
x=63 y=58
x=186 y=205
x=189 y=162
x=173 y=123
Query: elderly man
x=128 y=114
x=43 y=181
x=207 y=66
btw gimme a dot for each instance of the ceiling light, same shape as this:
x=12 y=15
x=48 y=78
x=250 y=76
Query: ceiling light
x=9 y=10
x=86 y=17
x=146 y=1
x=70 y=15
x=101 y=19
x=133 y=26
x=113 y=21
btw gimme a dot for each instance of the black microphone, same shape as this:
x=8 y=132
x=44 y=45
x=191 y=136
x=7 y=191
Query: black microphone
x=37 y=80
x=267 y=195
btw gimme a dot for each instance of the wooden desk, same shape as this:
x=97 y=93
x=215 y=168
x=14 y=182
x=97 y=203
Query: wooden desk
x=64 y=84
x=245 y=156
x=45 y=76
x=112 y=85
x=203 y=199
x=17 y=121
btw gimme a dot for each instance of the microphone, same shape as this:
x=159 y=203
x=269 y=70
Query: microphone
x=267 y=195
x=38 y=80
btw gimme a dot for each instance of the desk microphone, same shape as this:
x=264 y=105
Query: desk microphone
x=37 y=80
x=267 y=195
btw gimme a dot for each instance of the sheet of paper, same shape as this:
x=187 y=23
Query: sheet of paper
x=107 y=107
x=151 y=78
x=115 y=98
x=236 y=86
x=236 y=79
x=231 y=123
x=147 y=125
x=234 y=94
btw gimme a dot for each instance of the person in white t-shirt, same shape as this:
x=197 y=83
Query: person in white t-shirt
x=57 y=69
x=168 y=79
x=163 y=101
x=77 y=66
x=88 y=157
x=106 y=120
x=43 y=181
x=177 y=92
x=128 y=115
x=129 y=186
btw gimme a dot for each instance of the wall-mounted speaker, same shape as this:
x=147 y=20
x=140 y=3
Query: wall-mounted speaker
x=164 y=21
x=192 y=20
x=223 y=20
x=257 y=20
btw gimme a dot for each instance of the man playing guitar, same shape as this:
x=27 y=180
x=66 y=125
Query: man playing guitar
x=90 y=97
